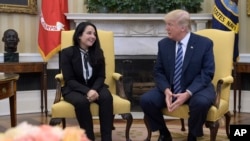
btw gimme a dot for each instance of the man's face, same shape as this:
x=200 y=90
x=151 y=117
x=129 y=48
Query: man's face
x=11 y=40
x=173 y=30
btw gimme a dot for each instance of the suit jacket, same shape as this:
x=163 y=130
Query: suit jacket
x=198 y=65
x=72 y=70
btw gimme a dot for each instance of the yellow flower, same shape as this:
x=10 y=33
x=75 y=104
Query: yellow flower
x=28 y=132
x=74 y=134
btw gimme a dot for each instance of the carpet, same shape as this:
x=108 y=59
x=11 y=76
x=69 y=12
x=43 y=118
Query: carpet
x=138 y=132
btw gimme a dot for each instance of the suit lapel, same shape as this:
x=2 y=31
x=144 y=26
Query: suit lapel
x=189 y=52
x=171 y=57
x=78 y=62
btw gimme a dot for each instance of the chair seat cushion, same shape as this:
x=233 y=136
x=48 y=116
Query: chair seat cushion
x=181 y=112
x=64 y=109
x=213 y=113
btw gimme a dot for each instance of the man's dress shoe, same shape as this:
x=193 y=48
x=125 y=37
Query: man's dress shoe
x=165 y=138
x=191 y=137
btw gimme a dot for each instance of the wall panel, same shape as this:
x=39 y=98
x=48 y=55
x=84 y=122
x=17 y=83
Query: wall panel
x=27 y=25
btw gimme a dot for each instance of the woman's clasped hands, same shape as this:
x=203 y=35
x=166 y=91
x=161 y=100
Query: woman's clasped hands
x=92 y=95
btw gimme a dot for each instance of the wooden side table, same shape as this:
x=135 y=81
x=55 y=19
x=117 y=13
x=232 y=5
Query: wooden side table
x=30 y=67
x=239 y=68
x=8 y=90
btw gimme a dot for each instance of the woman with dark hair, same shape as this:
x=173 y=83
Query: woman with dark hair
x=83 y=69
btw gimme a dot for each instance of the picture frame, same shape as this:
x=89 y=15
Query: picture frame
x=18 y=6
x=248 y=7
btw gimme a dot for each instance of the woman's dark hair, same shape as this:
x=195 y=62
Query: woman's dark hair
x=95 y=52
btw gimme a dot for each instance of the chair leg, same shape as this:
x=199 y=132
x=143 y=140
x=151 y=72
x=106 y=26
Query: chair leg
x=182 y=125
x=148 y=128
x=228 y=119
x=113 y=128
x=213 y=126
x=57 y=121
x=64 y=122
x=129 y=118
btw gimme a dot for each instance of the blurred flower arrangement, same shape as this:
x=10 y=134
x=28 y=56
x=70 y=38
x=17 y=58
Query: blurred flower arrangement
x=28 y=132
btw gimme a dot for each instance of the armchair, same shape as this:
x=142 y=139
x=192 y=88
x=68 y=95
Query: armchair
x=61 y=109
x=223 y=52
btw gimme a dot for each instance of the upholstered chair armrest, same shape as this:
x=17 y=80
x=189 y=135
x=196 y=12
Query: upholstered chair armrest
x=223 y=81
x=119 y=84
x=59 y=85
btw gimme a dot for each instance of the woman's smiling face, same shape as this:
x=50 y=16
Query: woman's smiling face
x=88 y=37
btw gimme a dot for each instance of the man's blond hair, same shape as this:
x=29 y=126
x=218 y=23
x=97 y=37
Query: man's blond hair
x=182 y=18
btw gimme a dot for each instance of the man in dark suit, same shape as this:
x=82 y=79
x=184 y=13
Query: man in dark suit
x=194 y=85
